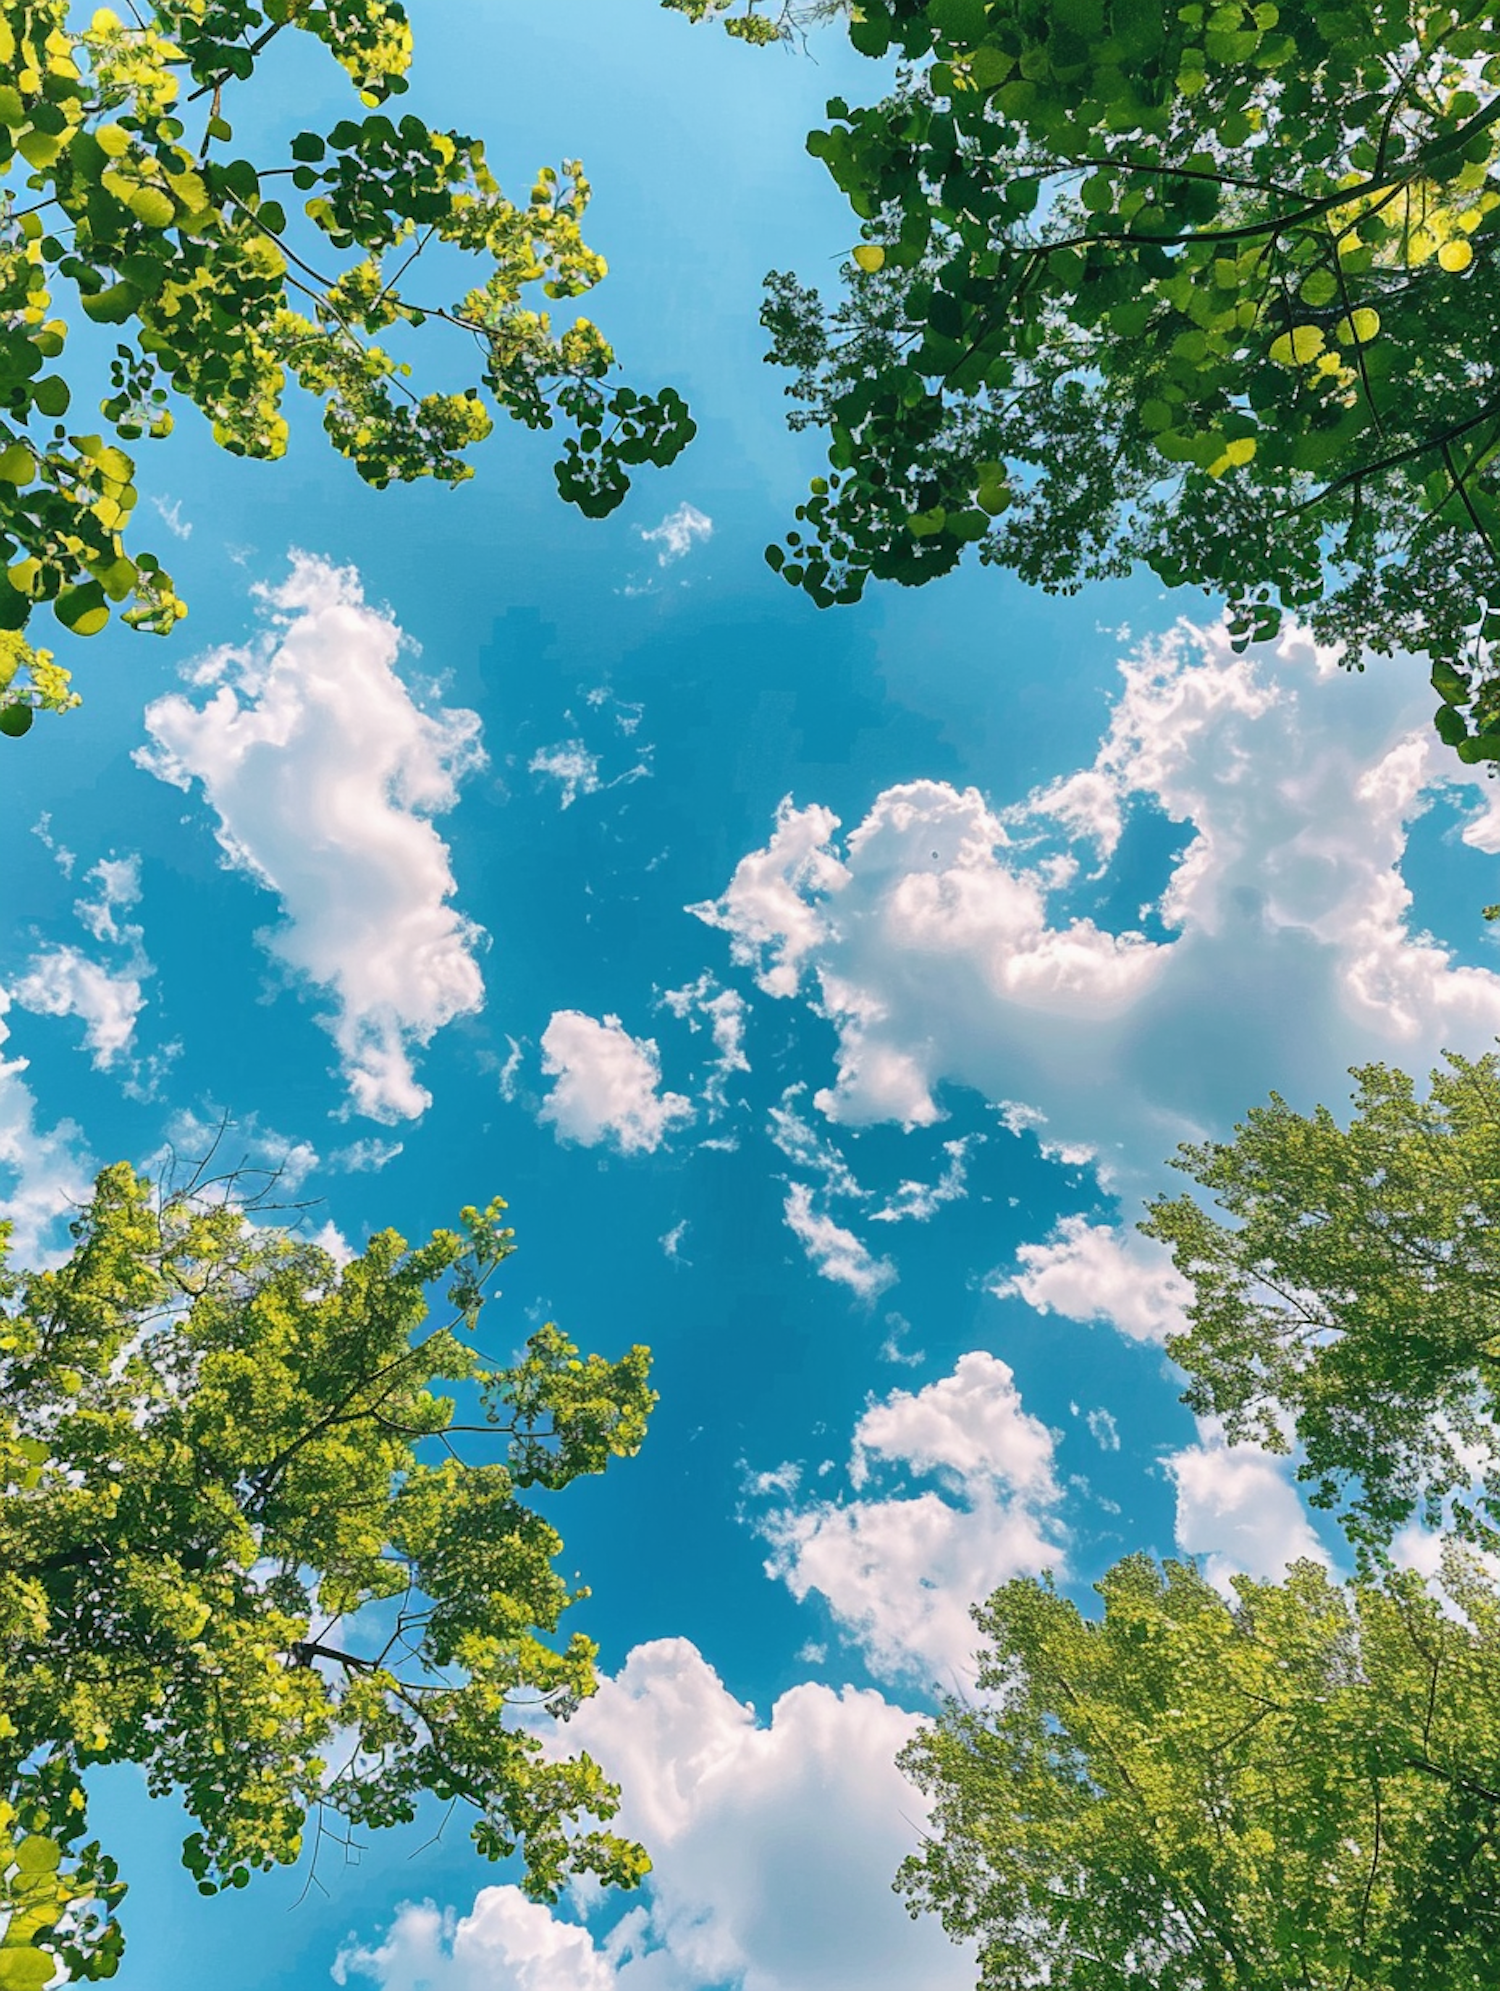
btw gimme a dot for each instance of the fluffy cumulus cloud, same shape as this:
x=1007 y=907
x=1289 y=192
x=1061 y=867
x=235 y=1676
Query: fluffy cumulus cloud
x=773 y=1843
x=1237 y=1507
x=64 y=981
x=1092 y=1272
x=324 y=774
x=938 y=939
x=899 y=1571
x=505 y=1943
x=607 y=1085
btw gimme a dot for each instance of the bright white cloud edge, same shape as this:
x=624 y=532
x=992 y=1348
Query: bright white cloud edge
x=323 y=774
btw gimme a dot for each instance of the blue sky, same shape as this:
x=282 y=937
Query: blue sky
x=824 y=992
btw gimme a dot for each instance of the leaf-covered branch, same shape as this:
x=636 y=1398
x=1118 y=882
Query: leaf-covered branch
x=195 y=1493
x=111 y=205
x=1212 y=289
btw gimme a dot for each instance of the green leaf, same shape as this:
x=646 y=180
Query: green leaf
x=84 y=609
x=37 y=1855
x=1450 y=726
x=114 y=305
x=25 y=1969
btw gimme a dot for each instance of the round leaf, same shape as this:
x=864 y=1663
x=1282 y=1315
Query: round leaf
x=37 y=1854
x=1298 y=347
x=26 y=1969
x=83 y=610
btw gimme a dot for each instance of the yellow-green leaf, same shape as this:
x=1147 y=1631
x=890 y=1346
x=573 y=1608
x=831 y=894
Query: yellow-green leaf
x=1298 y=347
x=38 y=1854
x=1234 y=455
x=1456 y=255
x=870 y=257
x=25 y=1969
x=1360 y=326
x=151 y=207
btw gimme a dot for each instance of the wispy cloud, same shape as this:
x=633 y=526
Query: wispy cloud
x=679 y=532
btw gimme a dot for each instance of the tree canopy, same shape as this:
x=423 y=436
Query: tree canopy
x=1352 y=1300
x=1210 y=288
x=1298 y=1788
x=125 y=201
x=243 y=1544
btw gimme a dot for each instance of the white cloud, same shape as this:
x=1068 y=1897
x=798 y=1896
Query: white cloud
x=806 y=1148
x=769 y=903
x=323 y=772
x=44 y=1174
x=368 y=1156
x=62 y=857
x=725 y=1012
x=679 y=532
x=257 y=1160
x=936 y=936
x=774 y=1845
x=1094 y=1272
x=920 y=1201
x=836 y=1253
x=937 y=941
x=170 y=514
x=64 y=981
x=773 y=1848
x=571 y=766
x=1103 y=1430
x=505 y=1943
x=117 y=888
x=1237 y=1506
x=891 y=1349
x=899 y=1572
x=607 y=1085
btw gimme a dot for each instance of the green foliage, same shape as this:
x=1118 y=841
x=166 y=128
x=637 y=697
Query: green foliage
x=1300 y=1789
x=746 y=22
x=1355 y=1294
x=121 y=182
x=242 y=1545
x=1211 y=287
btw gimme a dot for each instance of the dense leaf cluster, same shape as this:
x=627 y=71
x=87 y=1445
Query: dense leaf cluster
x=1212 y=288
x=243 y=1545
x=1354 y=1295
x=1300 y=1786
x=120 y=183
x=1295 y=1788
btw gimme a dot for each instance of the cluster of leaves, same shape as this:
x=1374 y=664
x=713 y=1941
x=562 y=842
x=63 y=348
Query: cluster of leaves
x=120 y=180
x=1189 y=1795
x=217 y=1449
x=57 y=1898
x=1208 y=287
x=1355 y=1294
x=1303 y=1786
x=752 y=21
